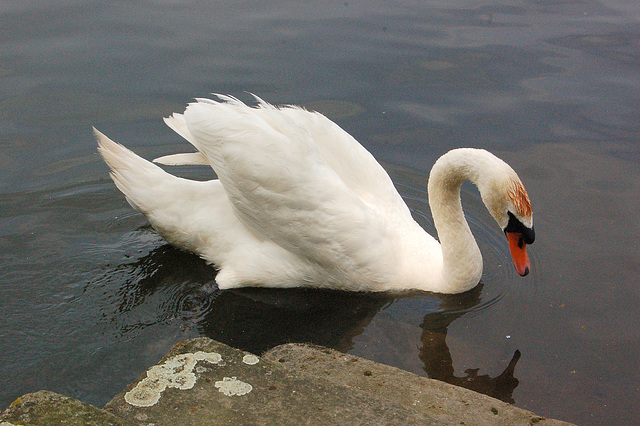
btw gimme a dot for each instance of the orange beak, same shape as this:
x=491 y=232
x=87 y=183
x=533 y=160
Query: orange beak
x=518 y=252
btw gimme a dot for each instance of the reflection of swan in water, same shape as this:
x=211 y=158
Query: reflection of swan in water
x=256 y=320
x=436 y=356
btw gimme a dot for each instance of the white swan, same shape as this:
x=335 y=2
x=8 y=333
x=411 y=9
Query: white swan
x=299 y=202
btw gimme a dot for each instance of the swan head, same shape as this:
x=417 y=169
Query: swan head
x=508 y=202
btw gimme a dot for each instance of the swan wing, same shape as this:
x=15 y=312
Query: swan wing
x=282 y=187
x=183 y=159
x=357 y=168
x=176 y=123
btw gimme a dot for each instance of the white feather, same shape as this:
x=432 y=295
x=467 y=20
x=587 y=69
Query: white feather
x=185 y=159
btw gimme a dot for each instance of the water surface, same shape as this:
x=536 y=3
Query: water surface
x=90 y=296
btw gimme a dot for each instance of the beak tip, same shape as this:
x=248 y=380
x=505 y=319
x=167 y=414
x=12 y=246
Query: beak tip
x=518 y=250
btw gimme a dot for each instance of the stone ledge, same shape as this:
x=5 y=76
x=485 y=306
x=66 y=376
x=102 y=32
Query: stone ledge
x=440 y=401
x=204 y=382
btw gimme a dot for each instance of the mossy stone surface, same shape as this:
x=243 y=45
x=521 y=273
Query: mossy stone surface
x=49 y=408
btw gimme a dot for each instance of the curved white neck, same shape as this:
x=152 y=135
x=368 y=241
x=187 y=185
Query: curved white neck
x=462 y=261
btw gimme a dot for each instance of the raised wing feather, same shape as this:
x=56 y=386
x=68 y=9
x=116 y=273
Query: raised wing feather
x=177 y=124
x=357 y=168
x=184 y=159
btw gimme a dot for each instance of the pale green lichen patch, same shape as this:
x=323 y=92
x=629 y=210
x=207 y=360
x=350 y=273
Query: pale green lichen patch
x=231 y=386
x=210 y=357
x=175 y=372
x=141 y=396
x=250 y=359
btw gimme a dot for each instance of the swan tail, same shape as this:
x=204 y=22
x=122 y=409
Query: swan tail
x=134 y=176
x=193 y=215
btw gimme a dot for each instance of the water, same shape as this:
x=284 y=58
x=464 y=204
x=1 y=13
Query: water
x=91 y=296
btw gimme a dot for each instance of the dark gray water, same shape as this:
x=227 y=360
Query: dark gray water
x=90 y=296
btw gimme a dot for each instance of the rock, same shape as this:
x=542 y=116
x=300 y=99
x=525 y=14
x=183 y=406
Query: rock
x=440 y=401
x=240 y=388
x=49 y=408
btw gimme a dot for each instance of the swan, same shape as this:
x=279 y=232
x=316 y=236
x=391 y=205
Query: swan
x=299 y=202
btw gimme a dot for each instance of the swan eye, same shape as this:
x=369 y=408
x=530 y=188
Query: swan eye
x=514 y=225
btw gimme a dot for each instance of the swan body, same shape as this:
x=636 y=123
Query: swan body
x=299 y=202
